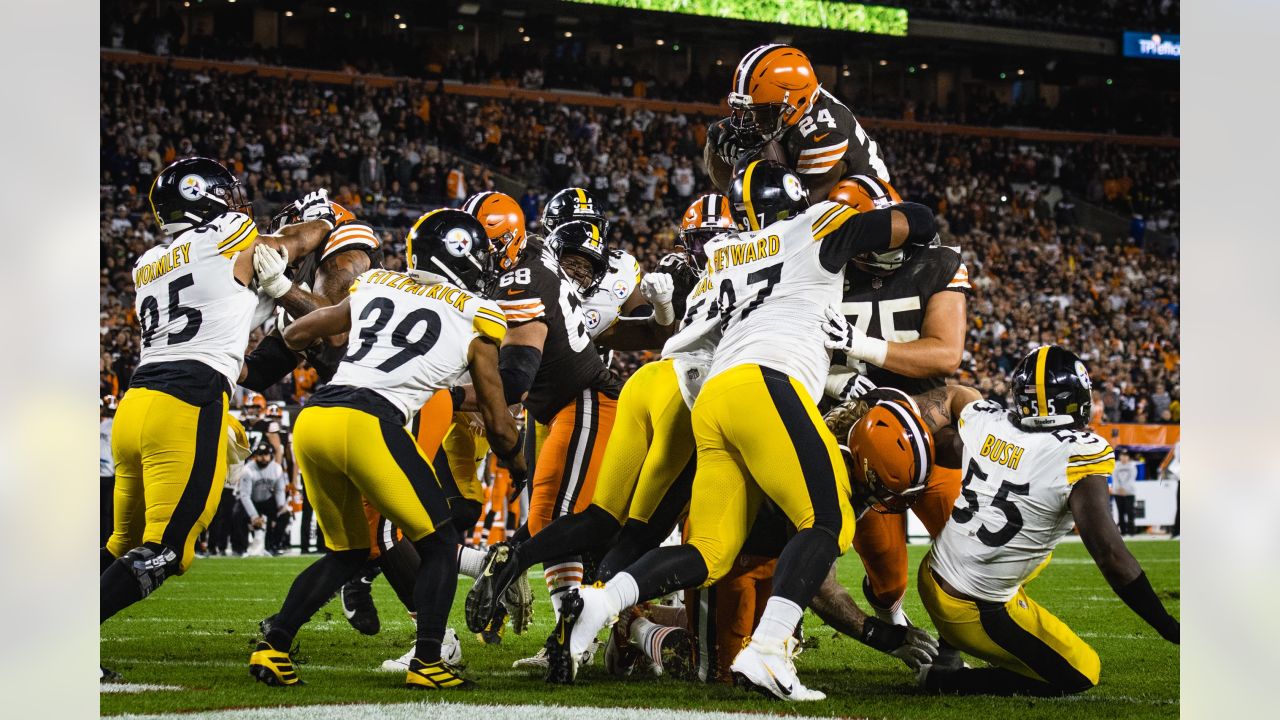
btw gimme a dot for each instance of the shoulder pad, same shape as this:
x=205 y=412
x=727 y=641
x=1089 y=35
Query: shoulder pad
x=349 y=236
x=489 y=320
x=1090 y=455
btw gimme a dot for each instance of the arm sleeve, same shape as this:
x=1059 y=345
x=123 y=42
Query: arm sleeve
x=518 y=365
x=269 y=363
x=844 y=232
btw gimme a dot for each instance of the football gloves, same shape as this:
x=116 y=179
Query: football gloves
x=725 y=142
x=316 y=206
x=851 y=340
x=658 y=288
x=269 y=265
x=911 y=645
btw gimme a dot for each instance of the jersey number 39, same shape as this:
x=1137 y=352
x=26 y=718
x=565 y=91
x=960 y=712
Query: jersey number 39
x=409 y=349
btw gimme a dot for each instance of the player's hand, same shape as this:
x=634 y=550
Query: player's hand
x=851 y=340
x=259 y=523
x=269 y=266
x=725 y=143
x=658 y=287
x=851 y=385
x=316 y=206
x=911 y=645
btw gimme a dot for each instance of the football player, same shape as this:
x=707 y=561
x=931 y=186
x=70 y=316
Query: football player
x=756 y=425
x=903 y=327
x=195 y=306
x=776 y=96
x=415 y=333
x=651 y=454
x=260 y=426
x=1029 y=472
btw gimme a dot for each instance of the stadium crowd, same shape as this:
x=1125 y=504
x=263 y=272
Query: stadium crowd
x=389 y=153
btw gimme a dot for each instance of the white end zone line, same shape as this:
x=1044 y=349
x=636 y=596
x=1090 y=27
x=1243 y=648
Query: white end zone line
x=416 y=711
x=107 y=688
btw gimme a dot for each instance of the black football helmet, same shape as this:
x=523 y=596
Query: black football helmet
x=571 y=204
x=763 y=192
x=1051 y=389
x=193 y=191
x=452 y=246
x=583 y=238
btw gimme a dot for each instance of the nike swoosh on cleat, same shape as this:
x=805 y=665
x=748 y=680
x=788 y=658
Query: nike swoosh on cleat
x=786 y=689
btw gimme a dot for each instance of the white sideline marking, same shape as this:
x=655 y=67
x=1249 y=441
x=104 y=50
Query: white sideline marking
x=217 y=663
x=416 y=711
x=134 y=687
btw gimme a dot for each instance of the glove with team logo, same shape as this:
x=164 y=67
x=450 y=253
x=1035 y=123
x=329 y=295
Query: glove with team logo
x=725 y=143
x=658 y=289
x=911 y=645
x=269 y=266
x=316 y=206
x=851 y=340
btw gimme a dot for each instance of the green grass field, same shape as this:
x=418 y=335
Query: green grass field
x=197 y=632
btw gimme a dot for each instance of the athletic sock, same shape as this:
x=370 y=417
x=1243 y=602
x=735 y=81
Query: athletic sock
x=779 y=621
x=561 y=578
x=118 y=589
x=648 y=636
x=433 y=592
x=313 y=587
x=470 y=561
x=623 y=591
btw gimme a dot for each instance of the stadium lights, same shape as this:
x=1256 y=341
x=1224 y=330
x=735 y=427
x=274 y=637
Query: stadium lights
x=676 y=47
x=1021 y=72
x=461 y=27
x=346 y=15
x=404 y=26
x=618 y=46
x=469 y=8
x=1004 y=198
x=568 y=33
x=844 y=73
x=333 y=9
x=660 y=41
x=719 y=62
x=187 y=4
x=924 y=66
x=1109 y=81
x=396 y=16
x=1003 y=76
x=911 y=68
x=883 y=63
x=525 y=38
x=288 y=13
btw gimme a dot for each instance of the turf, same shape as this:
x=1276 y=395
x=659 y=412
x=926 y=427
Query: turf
x=197 y=631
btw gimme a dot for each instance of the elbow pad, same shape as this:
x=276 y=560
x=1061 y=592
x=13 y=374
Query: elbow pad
x=921 y=227
x=268 y=363
x=518 y=364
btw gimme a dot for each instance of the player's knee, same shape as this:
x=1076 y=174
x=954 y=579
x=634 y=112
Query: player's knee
x=150 y=565
x=718 y=561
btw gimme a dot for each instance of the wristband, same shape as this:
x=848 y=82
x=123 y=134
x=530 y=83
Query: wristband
x=881 y=635
x=869 y=349
x=458 y=395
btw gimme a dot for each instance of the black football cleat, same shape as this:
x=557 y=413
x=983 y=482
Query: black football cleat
x=500 y=570
x=562 y=666
x=357 y=605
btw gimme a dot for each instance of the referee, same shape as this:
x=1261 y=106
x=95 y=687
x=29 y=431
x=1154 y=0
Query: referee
x=262 y=494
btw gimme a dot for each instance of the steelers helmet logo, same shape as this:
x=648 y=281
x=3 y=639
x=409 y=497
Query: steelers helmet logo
x=791 y=184
x=191 y=187
x=1083 y=375
x=620 y=290
x=458 y=242
x=592 y=318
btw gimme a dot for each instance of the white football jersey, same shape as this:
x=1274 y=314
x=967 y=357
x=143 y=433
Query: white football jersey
x=1012 y=510
x=772 y=287
x=188 y=301
x=409 y=340
x=602 y=309
x=691 y=348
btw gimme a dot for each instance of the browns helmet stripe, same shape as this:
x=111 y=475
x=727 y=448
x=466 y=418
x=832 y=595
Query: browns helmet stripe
x=916 y=434
x=742 y=75
x=874 y=189
x=709 y=209
x=473 y=203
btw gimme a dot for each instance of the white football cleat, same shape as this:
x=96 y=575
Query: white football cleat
x=768 y=669
x=596 y=614
x=450 y=652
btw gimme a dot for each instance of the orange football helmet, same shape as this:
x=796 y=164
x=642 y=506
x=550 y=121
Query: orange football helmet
x=503 y=221
x=705 y=218
x=773 y=87
x=892 y=454
x=343 y=215
x=864 y=193
x=254 y=406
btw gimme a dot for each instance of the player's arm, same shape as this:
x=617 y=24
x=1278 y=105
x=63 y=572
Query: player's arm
x=323 y=323
x=819 y=186
x=277 y=446
x=1091 y=508
x=940 y=346
x=836 y=607
x=719 y=170
x=519 y=358
x=487 y=386
x=246 y=499
x=333 y=282
x=845 y=232
x=941 y=407
x=297 y=240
